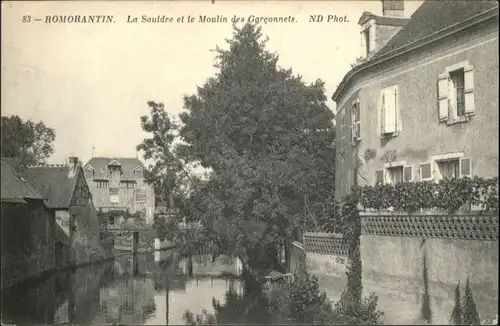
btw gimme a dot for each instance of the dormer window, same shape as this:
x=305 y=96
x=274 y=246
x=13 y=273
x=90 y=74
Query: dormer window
x=368 y=39
x=139 y=174
x=366 y=36
x=89 y=173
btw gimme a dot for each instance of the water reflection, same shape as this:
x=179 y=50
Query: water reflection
x=144 y=290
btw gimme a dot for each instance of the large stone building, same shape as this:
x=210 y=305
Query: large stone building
x=422 y=103
x=119 y=184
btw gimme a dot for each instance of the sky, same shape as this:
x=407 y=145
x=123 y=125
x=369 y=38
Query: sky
x=91 y=82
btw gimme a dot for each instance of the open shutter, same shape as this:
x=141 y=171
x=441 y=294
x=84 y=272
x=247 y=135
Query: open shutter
x=353 y=123
x=426 y=171
x=443 y=97
x=372 y=39
x=390 y=111
x=379 y=175
x=358 y=120
x=465 y=167
x=469 y=90
x=363 y=45
x=382 y=114
x=407 y=173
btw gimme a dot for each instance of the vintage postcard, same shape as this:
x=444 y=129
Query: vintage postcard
x=249 y=162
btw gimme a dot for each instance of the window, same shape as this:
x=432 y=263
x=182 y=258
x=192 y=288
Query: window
x=389 y=111
x=367 y=40
x=379 y=177
x=366 y=37
x=89 y=173
x=138 y=174
x=356 y=122
x=457 y=82
x=426 y=171
x=342 y=134
x=127 y=184
x=140 y=196
x=114 y=195
x=102 y=183
x=456 y=93
x=449 y=169
x=111 y=220
x=454 y=168
x=394 y=174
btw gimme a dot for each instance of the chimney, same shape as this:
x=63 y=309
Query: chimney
x=393 y=8
x=73 y=165
x=73 y=161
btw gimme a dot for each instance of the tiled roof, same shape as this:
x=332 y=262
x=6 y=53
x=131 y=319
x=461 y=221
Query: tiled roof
x=55 y=183
x=15 y=188
x=128 y=165
x=433 y=16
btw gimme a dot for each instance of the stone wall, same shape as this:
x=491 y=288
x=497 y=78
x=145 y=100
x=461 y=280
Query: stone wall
x=416 y=263
x=27 y=241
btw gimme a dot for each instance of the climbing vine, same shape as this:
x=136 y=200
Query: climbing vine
x=448 y=194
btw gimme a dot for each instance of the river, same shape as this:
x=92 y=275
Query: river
x=145 y=290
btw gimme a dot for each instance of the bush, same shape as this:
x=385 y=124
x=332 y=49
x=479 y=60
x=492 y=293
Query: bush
x=349 y=312
x=300 y=302
x=448 y=195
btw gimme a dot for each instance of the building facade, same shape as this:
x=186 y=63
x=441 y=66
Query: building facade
x=119 y=184
x=423 y=102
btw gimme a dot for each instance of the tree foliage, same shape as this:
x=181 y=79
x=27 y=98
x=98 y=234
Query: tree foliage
x=27 y=141
x=265 y=136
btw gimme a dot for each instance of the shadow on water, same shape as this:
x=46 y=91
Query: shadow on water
x=128 y=291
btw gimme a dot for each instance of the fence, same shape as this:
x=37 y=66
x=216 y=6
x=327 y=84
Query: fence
x=325 y=244
x=471 y=225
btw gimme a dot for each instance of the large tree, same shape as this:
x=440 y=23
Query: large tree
x=27 y=141
x=267 y=139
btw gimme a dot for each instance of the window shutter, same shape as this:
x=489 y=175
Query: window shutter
x=363 y=45
x=382 y=114
x=379 y=175
x=426 y=171
x=443 y=97
x=469 y=90
x=390 y=111
x=465 y=167
x=407 y=173
x=372 y=39
x=353 y=124
x=358 y=120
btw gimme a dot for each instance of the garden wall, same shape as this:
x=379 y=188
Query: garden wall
x=416 y=263
x=326 y=258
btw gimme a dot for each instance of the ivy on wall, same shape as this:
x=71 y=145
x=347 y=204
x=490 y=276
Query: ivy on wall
x=448 y=195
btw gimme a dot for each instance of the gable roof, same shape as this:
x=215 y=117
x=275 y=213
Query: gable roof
x=55 y=183
x=14 y=188
x=431 y=21
x=128 y=166
x=434 y=16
